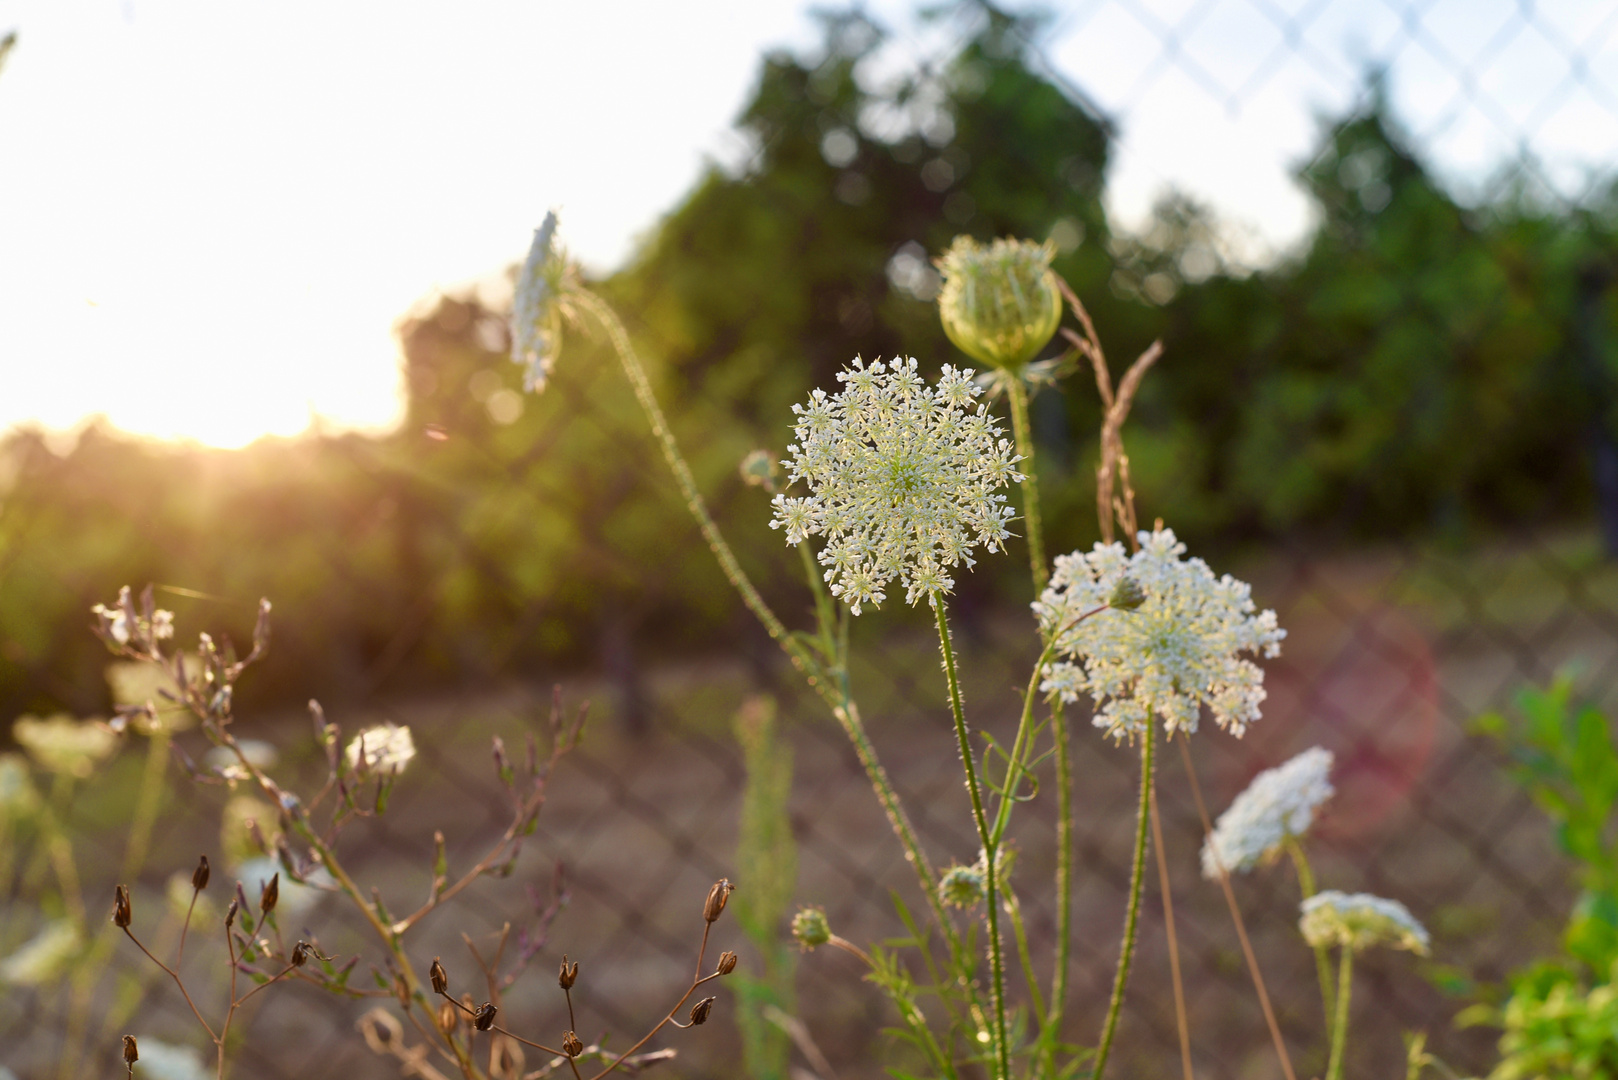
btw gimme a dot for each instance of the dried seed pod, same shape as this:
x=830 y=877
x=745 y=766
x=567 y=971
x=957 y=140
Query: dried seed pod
x=448 y=1017
x=571 y=1046
x=131 y=1051
x=568 y=975
x=727 y=963
x=199 y=876
x=300 y=954
x=121 y=912
x=439 y=977
x=700 y=1011
x=270 y=894
x=717 y=897
x=483 y=1019
x=230 y=913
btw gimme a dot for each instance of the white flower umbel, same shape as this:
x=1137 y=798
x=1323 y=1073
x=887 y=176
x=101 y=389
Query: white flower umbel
x=385 y=748
x=1278 y=805
x=1179 y=650
x=1355 y=921
x=536 y=324
x=903 y=480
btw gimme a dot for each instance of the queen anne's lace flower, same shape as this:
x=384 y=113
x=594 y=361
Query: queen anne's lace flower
x=902 y=480
x=1280 y=803
x=536 y=326
x=1174 y=653
x=1358 y=920
x=385 y=748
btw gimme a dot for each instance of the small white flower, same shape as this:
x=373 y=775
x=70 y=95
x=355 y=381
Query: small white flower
x=162 y=624
x=536 y=327
x=902 y=480
x=1358 y=920
x=1179 y=650
x=1279 y=804
x=384 y=748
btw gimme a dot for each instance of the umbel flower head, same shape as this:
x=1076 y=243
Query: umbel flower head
x=903 y=480
x=1356 y=921
x=1278 y=805
x=1178 y=650
x=536 y=311
x=1000 y=302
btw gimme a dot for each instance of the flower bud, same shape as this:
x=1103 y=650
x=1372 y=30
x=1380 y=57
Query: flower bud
x=571 y=1046
x=568 y=975
x=1000 y=303
x=230 y=913
x=700 y=1011
x=1127 y=595
x=440 y=979
x=199 y=876
x=961 y=886
x=121 y=912
x=131 y=1051
x=727 y=963
x=483 y=1019
x=270 y=894
x=717 y=897
x=810 y=928
x=760 y=469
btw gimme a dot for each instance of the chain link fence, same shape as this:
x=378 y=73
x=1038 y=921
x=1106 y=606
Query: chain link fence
x=1393 y=649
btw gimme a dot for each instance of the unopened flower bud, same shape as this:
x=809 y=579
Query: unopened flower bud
x=131 y=1051
x=700 y=1011
x=810 y=928
x=230 y=914
x=760 y=469
x=1127 y=595
x=199 y=876
x=121 y=912
x=483 y=1019
x=569 y=974
x=1000 y=302
x=270 y=894
x=961 y=886
x=571 y=1046
x=717 y=897
x=440 y=979
x=727 y=963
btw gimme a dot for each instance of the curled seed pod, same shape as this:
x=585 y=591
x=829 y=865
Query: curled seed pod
x=131 y=1051
x=121 y=911
x=230 y=913
x=448 y=1017
x=439 y=977
x=1127 y=595
x=727 y=963
x=483 y=1019
x=270 y=894
x=717 y=897
x=199 y=876
x=700 y=1011
x=571 y=1046
x=568 y=975
x=300 y=954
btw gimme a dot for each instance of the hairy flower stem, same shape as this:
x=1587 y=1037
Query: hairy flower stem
x=1306 y=885
x=1137 y=878
x=991 y=848
x=1339 y=1031
x=836 y=697
x=1023 y=432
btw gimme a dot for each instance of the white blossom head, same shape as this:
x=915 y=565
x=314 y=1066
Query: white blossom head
x=536 y=311
x=1178 y=650
x=386 y=748
x=903 y=480
x=1277 y=806
x=1357 y=921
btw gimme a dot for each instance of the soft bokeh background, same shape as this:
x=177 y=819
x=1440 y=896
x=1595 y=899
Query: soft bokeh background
x=1376 y=238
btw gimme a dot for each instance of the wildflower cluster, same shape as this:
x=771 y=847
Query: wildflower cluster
x=1277 y=806
x=1356 y=921
x=1180 y=649
x=902 y=480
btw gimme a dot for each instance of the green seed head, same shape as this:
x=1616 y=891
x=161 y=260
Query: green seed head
x=810 y=929
x=1000 y=303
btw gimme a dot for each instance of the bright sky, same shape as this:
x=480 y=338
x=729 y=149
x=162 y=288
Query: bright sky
x=212 y=214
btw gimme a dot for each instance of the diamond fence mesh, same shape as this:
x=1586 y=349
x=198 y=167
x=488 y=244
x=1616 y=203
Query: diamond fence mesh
x=1393 y=649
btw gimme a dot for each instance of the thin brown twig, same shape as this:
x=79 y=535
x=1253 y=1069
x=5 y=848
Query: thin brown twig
x=1236 y=916
x=177 y=982
x=1184 y=1028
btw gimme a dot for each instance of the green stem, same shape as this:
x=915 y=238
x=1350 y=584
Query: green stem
x=1064 y=887
x=1023 y=432
x=1339 y=1033
x=1306 y=885
x=1019 y=932
x=824 y=619
x=1136 y=878
x=991 y=883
